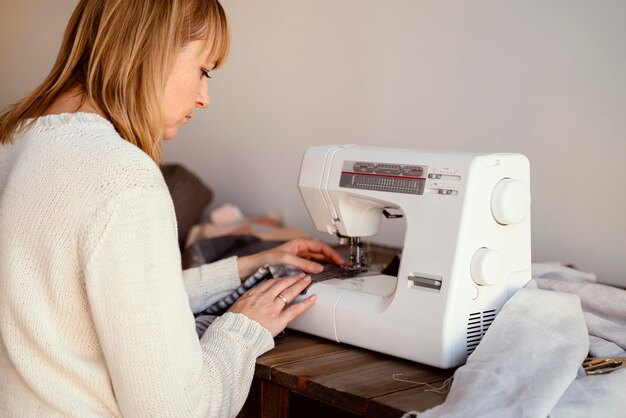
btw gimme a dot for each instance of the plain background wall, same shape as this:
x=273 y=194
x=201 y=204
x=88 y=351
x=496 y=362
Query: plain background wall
x=546 y=78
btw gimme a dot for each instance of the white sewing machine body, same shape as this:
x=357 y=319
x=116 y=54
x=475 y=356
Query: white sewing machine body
x=466 y=248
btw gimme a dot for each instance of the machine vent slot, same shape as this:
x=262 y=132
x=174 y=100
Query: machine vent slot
x=477 y=325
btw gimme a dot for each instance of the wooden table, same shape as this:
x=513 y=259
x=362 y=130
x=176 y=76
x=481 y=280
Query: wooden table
x=306 y=376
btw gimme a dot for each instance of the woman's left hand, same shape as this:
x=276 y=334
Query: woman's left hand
x=299 y=253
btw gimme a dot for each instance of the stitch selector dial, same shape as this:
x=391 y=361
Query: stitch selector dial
x=487 y=267
x=510 y=201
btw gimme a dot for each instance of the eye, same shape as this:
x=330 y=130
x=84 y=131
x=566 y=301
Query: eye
x=205 y=73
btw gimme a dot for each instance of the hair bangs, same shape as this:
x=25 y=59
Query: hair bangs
x=207 y=21
x=219 y=43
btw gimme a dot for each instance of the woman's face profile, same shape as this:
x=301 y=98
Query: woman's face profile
x=187 y=86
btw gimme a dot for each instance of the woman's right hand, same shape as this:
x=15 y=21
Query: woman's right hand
x=305 y=254
x=269 y=303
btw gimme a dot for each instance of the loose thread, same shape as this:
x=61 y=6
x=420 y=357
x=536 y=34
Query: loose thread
x=444 y=388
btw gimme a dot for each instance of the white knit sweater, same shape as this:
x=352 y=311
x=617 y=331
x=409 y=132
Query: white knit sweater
x=95 y=315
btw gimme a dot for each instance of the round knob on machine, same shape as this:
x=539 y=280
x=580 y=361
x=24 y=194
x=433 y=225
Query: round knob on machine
x=510 y=201
x=487 y=267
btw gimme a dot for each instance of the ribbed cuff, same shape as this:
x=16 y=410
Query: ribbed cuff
x=208 y=283
x=257 y=338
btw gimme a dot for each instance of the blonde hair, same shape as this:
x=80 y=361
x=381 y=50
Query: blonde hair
x=118 y=53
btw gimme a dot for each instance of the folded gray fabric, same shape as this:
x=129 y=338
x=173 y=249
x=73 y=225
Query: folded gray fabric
x=604 y=308
x=562 y=272
x=594 y=396
x=526 y=361
x=526 y=364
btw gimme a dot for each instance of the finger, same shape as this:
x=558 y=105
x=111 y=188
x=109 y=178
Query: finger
x=303 y=247
x=313 y=249
x=282 y=299
x=282 y=286
x=291 y=292
x=331 y=254
x=296 y=309
x=320 y=250
x=308 y=266
x=262 y=287
x=317 y=256
x=325 y=258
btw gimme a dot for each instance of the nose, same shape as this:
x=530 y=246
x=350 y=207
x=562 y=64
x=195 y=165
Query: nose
x=203 y=99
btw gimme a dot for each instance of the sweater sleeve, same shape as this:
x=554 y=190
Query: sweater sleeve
x=208 y=283
x=146 y=329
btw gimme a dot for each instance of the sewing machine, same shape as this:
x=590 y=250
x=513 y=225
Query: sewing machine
x=466 y=247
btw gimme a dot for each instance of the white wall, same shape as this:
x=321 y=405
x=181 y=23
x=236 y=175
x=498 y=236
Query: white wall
x=545 y=78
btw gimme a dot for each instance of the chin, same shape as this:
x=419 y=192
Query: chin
x=169 y=133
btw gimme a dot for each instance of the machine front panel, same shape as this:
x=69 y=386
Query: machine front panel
x=383 y=177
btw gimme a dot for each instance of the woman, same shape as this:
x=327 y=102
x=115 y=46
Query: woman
x=95 y=314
